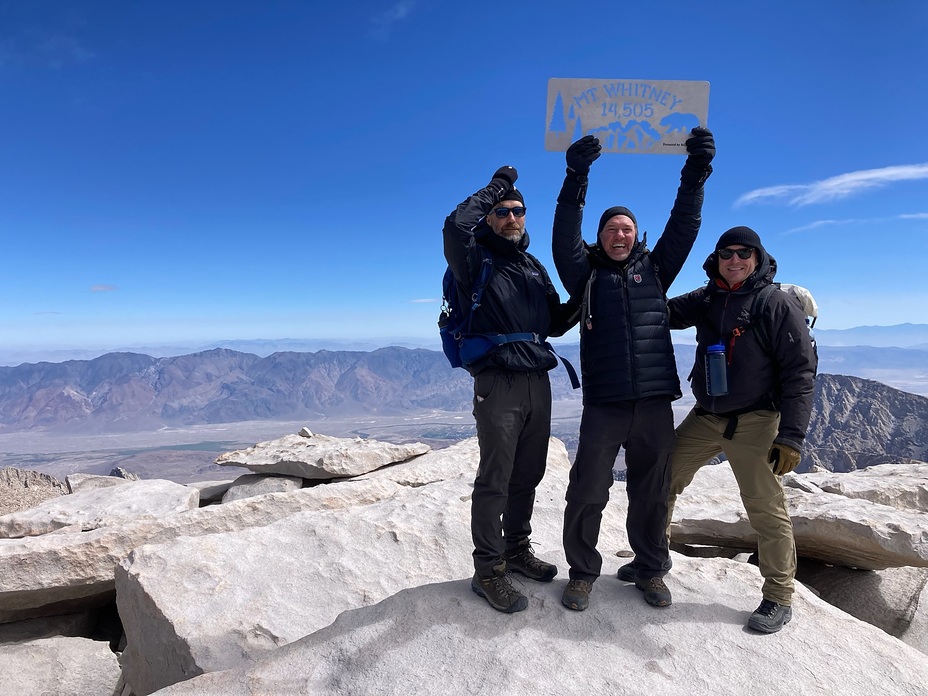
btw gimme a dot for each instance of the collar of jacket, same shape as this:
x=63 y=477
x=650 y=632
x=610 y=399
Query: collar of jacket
x=500 y=246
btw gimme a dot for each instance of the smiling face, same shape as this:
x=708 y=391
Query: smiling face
x=736 y=270
x=618 y=237
x=510 y=227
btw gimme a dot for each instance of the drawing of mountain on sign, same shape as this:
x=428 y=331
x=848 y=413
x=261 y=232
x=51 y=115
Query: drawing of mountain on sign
x=633 y=135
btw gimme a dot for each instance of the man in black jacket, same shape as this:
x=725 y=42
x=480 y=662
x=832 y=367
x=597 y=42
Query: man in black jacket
x=512 y=394
x=760 y=418
x=629 y=373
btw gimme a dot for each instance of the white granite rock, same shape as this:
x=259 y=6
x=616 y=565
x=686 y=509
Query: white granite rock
x=58 y=573
x=59 y=666
x=442 y=638
x=827 y=527
x=901 y=486
x=320 y=456
x=250 y=485
x=193 y=605
x=101 y=507
x=86 y=482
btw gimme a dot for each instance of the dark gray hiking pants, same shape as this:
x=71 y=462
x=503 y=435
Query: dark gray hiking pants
x=513 y=414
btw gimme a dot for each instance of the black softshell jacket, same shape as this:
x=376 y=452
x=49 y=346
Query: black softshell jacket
x=625 y=347
x=782 y=380
x=519 y=296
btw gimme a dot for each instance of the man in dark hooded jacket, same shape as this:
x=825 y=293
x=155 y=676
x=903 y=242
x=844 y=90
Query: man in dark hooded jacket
x=629 y=372
x=512 y=393
x=759 y=419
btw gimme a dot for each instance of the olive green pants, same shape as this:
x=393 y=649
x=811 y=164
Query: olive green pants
x=699 y=438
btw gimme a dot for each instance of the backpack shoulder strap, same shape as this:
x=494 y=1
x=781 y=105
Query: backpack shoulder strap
x=758 y=309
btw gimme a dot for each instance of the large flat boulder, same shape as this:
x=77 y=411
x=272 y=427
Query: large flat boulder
x=831 y=528
x=60 y=573
x=60 y=666
x=95 y=508
x=194 y=605
x=313 y=456
x=901 y=486
x=442 y=638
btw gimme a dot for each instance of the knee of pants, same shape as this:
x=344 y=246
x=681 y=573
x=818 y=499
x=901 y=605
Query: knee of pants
x=768 y=516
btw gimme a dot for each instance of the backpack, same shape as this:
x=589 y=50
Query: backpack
x=759 y=305
x=462 y=347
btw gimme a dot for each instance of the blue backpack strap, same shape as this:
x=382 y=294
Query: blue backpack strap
x=571 y=372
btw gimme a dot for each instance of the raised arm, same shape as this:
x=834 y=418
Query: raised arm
x=458 y=231
x=679 y=234
x=570 y=255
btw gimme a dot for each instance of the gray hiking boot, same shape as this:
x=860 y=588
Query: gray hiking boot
x=770 y=617
x=655 y=591
x=577 y=595
x=523 y=560
x=498 y=591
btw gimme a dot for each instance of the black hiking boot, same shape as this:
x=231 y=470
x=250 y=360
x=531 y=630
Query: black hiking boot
x=770 y=617
x=627 y=573
x=523 y=560
x=498 y=591
x=577 y=595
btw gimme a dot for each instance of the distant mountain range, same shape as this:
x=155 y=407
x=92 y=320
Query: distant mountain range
x=856 y=422
x=899 y=336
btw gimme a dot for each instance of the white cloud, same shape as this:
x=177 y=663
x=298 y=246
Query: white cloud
x=382 y=23
x=836 y=187
x=817 y=224
x=425 y=301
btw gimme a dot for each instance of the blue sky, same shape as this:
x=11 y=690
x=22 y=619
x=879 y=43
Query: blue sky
x=195 y=171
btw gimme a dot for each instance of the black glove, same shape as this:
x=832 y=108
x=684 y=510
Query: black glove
x=508 y=176
x=701 y=148
x=582 y=154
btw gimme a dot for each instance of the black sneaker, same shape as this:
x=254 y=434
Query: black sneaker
x=770 y=617
x=523 y=560
x=577 y=595
x=499 y=592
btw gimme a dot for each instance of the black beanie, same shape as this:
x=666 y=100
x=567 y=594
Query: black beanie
x=513 y=195
x=740 y=235
x=611 y=213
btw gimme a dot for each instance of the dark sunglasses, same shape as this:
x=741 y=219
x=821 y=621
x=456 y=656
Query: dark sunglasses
x=742 y=253
x=501 y=213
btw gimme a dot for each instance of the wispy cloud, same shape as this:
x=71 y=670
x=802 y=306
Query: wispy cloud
x=103 y=288
x=39 y=314
x=818 y=224
x=382 y=23
x=836 y=187
x=52 y=52
x=424 y=301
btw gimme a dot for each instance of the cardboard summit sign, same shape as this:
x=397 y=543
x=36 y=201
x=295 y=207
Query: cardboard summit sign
x=629 y=116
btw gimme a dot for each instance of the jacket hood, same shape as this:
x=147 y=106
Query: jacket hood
x=762 y=275
x=485 y=235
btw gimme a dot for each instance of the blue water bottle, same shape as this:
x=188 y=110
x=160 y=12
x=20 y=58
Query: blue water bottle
x=716 y=370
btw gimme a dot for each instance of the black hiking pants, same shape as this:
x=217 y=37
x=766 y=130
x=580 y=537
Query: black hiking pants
x=645 y=429
x=513 y=415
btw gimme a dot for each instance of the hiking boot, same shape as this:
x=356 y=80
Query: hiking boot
x=655 y=591
x=577 y=595
x=770 y=617
x=627 y=573
x=499 y=592
x=523 y=560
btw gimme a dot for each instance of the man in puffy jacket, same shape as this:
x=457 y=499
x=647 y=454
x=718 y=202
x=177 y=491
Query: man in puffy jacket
x=629 y=373
x=759 y=419
x=512 y=394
